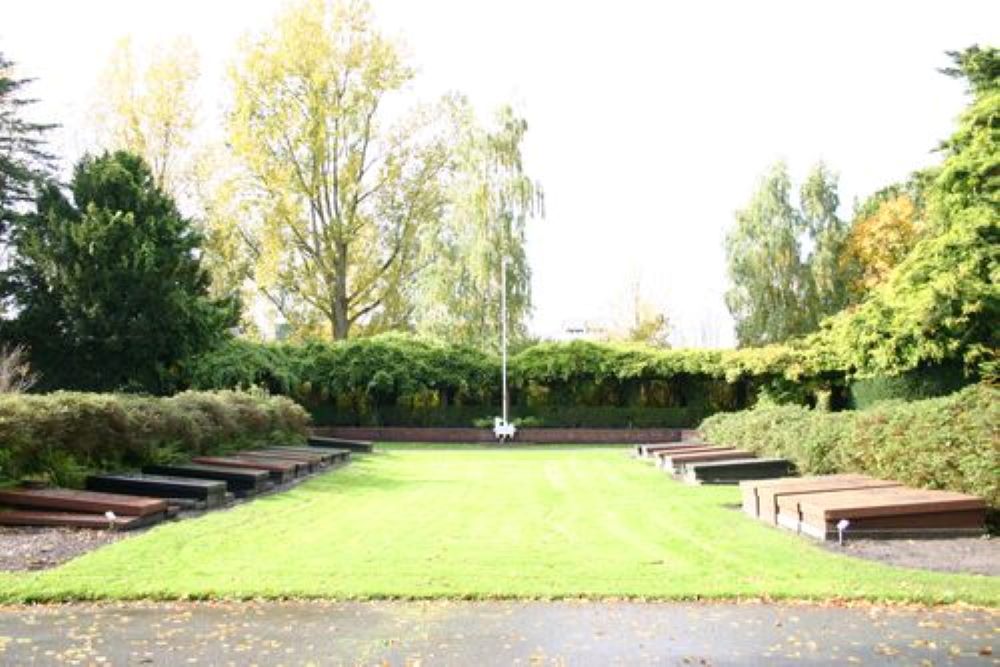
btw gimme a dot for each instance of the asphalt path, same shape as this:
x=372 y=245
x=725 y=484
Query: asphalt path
x=495 y=633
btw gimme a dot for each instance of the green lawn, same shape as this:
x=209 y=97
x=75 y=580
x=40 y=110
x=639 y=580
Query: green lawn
x=476 y=523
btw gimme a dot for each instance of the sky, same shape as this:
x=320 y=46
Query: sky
x=650 y=123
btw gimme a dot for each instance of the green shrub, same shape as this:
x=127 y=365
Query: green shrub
x=951 y=442
x=64 y=435
x=920 y=383
x=401 y=380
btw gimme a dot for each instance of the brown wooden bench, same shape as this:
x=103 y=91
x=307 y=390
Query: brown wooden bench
x=673 y=462
x=278 y=471
x=75 y=519
x=760 y=496
x=894 y=511
x=70 y=500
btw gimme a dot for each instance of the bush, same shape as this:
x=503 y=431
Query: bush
x=951 y=442
x=396 y=379
x=919 y=383
x=64 y=435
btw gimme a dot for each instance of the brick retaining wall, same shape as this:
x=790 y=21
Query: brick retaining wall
x=526 y=435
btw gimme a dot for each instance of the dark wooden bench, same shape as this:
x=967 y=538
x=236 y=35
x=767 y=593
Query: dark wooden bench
x=204 y=493
x=734 y=471
x=241 y=481
x=341 y=443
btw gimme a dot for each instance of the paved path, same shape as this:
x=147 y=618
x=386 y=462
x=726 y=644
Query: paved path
x=496 y=633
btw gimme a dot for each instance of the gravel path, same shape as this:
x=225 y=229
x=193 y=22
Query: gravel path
x=971 y=555
x=495 y=633
x=41 y=548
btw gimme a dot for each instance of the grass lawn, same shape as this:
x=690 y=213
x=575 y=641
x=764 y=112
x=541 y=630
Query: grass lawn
x=476 y=523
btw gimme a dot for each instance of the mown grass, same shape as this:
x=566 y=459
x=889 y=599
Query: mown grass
x=477 y=522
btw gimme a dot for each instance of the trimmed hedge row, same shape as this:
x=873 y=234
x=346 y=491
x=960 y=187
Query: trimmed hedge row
x=951 y=442
x=397 y=379
x=63 y=436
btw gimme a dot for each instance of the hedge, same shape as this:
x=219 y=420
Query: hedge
x=951 y=442
x=65 y=435
x=397 y=379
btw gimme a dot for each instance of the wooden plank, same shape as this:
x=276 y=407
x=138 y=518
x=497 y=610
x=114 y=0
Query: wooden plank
x=893 y=511
x=659 y=456
x=212 y=493
x=76 y=519
x=650 y=451
x=241 y=481
x=673 y=462
x=341 y=443
x=70 y=500
x=308 y=464
x=886 y=501
x=279 y=471
x=750 y=489
x=733 y=471
x=768 y=495
x=326 y=455
x=331 y=455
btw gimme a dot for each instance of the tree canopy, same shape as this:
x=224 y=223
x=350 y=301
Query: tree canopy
x=109 y=288
x=24 y=158
x=784 y=260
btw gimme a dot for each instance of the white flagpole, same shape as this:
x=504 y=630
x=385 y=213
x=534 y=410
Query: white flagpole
x=503 y=334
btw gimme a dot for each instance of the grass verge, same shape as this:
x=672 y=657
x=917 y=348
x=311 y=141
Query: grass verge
x=478 y=523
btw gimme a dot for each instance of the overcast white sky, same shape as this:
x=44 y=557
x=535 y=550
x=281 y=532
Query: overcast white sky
x=650 y=122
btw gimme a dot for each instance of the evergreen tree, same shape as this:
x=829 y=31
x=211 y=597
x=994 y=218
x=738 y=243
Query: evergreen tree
x=24 y=162
x=109 y=286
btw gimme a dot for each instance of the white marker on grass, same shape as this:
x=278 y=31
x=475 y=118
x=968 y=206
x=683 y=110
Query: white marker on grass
x=841 y=527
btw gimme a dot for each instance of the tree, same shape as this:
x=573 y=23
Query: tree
x=150 y=110
x=784 y=262
x=490 y=201
x=879 y=241
x=819 y=200
x=340 y=204
x=941 y=303
x=24 y=161
x=770 y=282
x=110 y=291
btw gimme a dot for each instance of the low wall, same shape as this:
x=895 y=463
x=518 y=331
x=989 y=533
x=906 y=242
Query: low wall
x=550 y=436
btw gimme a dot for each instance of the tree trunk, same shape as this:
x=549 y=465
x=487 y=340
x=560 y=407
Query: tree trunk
x=340 y=322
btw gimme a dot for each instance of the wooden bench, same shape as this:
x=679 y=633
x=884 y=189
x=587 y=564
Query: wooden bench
x=650 y=451
x=341 y=443
x=205 y=493
x=241 y=481
x=280 y=472
x=734 y=471
x=893 y=511
x=76 y=519
x=673 y=462
x=70 y=500
x=330 y=455
x=760 y=497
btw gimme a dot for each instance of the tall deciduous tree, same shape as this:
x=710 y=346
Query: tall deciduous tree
x=146 y=106
x=490 y=202
x=110 y=290
x=770 y=282
x=819 y=199
x=341 y=203
x=784 y=261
